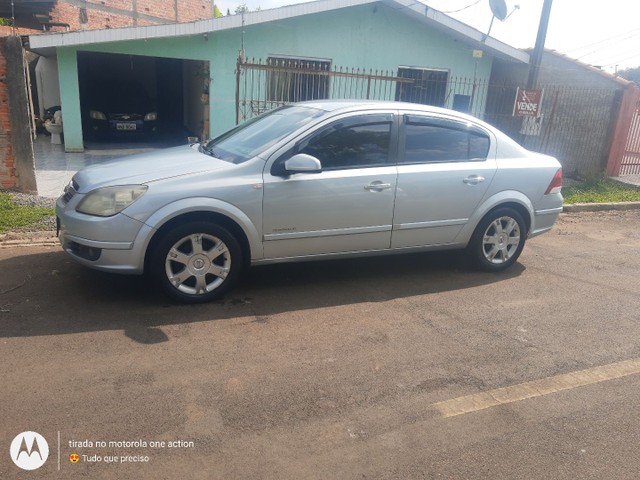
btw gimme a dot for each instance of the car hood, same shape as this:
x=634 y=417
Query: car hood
x=147 y=167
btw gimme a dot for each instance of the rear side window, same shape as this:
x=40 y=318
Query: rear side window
x=428 y=140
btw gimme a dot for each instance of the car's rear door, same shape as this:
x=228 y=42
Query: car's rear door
x=445 y=167
x=349 y=205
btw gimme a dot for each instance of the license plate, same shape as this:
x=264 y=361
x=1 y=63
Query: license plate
x=125 y=126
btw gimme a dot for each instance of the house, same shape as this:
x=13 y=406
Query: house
x=200 y=73
x=35 y=17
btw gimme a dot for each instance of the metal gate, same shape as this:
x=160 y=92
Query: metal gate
x=624 y=154
x=262 y=86
x=630 y=164
x=575 y=125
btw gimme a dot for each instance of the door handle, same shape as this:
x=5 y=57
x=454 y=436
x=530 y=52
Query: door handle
x=377 y=186
x=473 y=179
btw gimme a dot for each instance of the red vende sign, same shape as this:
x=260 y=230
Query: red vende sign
x=527 y=103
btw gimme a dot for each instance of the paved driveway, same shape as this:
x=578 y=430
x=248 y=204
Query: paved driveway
x=55 y=168
x=399 y=367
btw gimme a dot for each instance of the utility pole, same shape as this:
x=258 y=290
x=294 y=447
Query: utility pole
x=536 y=56
x=13 y=18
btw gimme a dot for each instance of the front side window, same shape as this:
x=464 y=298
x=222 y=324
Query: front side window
x=355 y=142
x=435 y=140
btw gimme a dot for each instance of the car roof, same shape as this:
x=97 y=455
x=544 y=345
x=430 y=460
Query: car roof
x=331 y=105
x=335 y=106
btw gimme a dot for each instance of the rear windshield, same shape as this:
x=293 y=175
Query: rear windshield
x=256 y=135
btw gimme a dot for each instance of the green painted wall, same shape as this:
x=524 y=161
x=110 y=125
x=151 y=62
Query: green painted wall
x=372 y=36
x=70 y=99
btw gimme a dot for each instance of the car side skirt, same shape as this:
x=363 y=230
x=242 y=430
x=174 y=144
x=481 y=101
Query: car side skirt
x=359 y=253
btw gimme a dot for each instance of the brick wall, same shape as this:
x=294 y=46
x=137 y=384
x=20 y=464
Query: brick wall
x=16 y=148
x=127 y=13
x=6 y=31
x=7 y=158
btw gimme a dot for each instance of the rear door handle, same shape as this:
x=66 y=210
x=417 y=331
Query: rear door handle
x=473 y=179
x=377 y=186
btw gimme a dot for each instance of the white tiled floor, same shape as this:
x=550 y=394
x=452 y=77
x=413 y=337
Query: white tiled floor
x=54 y=167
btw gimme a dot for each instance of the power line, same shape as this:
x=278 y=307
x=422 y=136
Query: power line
x=463 y=8
x=605 y=40
x=622 y=60
x=617 y=41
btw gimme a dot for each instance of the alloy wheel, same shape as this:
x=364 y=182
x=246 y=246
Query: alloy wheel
x=501 y=240
x=197 y=263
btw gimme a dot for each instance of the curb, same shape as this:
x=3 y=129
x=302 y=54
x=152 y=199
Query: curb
x=599 y=207
x=28 y=239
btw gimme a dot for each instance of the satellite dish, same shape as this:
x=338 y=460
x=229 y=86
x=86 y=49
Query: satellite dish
x=499 y=9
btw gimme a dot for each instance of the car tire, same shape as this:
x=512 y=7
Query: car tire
x=196 y=262
x=498 y=240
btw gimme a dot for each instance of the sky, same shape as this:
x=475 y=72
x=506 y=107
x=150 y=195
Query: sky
x=603 y=33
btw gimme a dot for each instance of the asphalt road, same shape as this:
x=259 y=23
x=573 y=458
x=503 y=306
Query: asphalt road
x=336 y=370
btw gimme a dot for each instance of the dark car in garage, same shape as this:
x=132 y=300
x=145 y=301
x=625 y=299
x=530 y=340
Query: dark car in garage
x=119 y=110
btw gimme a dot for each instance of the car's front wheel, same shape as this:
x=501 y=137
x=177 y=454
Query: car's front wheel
x=196 y=262
x=498 y=240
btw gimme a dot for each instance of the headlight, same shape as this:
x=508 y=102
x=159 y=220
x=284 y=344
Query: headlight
x=96 y=115
x=106 y=202
x=149 y=117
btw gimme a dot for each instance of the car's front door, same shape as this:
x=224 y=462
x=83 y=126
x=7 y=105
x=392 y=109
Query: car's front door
x=346 y=207
x=444 y=170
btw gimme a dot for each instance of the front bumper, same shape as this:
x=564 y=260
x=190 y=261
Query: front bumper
x=122 y=128
x=122 y=243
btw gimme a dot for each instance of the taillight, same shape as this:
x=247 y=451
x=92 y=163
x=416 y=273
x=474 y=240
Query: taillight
x=556 y=184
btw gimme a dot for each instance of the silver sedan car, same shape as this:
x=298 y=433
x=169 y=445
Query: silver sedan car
x=309 y=181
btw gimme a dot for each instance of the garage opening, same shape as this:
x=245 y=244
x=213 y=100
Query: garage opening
x=142 y=100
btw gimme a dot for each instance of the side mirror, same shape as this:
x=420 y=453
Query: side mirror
x=302 y=163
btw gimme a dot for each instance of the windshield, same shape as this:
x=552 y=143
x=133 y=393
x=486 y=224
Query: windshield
x=256 y=135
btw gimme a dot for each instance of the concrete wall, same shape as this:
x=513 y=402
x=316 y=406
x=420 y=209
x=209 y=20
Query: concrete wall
x=47 y=84
x=579 y=111
x=372 y=36
x=581 y=107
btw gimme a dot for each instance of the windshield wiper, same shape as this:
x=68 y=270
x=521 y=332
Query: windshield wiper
x=208 y=150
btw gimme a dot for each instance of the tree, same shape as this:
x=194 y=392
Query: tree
x=242 y=8
x=631 y=74
x=216 y=12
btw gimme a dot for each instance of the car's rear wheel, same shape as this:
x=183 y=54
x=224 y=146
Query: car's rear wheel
x=498 y=240
x=196 y=262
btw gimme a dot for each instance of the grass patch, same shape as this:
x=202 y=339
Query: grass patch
x=600 y=190
x=13 y=217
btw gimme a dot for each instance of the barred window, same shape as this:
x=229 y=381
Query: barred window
x=296 y=80
x=429 y=86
